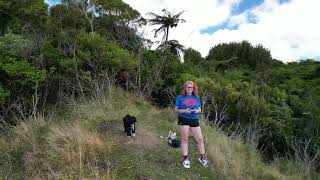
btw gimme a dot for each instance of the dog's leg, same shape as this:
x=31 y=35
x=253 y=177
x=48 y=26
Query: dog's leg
x=124 y=126
x=129 y=132
x=127 y=128
x=133 y=129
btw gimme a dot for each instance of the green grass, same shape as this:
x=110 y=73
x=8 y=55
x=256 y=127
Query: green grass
x=86 y=140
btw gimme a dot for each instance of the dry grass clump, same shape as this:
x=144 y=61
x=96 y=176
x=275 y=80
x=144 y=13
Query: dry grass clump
x=78 y=152
x=41 y=150
x=235 y=160
x=5 y=159
x=28 y=133
x=26 y=148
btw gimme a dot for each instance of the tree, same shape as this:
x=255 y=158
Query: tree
x=21 y=16
x=173 y=46
x=19 y=79
x=167 y=21
x=250 y=57
x=118 y=19
x=193 y=56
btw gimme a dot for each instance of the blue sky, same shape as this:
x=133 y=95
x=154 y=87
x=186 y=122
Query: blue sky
x=287 y=28
x=52 y=2
x=245 y=5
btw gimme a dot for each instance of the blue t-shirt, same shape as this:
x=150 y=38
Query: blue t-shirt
x=189 y=101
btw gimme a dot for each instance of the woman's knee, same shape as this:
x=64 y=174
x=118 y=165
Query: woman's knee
x=184 y=139
x=199 y=140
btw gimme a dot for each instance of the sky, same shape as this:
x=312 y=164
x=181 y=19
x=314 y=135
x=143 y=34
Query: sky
x=288 y=28
x=52 y=2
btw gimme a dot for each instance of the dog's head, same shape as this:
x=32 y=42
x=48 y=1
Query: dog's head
x=129 y=119
x=133 y=119
x=172 y=135
x=126 y=118
x=173 y=140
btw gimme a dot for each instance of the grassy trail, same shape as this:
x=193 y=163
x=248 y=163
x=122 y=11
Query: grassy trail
x=85 y=140
x=147 y=156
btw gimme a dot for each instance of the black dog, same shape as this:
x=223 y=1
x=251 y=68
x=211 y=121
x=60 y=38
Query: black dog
x=129 y=123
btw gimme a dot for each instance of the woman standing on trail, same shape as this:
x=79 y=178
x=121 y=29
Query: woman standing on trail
x=188 y=107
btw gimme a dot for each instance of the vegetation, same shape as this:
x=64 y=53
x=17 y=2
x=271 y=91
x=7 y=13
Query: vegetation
x=77 y=51
x=167 y=21
x=86 y=140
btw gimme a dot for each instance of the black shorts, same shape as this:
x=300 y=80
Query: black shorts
x=186 y=121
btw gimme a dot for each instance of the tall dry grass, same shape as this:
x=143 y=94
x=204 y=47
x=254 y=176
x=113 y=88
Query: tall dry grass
x=39 y=148
x=5 y=159
x=75 y=151
x=234 y=159
x=68 y=146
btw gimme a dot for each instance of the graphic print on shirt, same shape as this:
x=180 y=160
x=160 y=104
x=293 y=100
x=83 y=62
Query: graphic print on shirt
x=190 y=103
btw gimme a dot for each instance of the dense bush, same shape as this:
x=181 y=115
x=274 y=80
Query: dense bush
x=79 y=50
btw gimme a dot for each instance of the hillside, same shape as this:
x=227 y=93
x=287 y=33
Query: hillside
x=86 y=140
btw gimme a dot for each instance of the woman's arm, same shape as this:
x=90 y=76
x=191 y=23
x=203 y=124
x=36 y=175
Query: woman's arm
x=180 y=111
x=198 y=110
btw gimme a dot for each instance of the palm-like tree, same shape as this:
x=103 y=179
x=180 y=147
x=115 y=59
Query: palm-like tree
x=174 y=46
x=167 y=21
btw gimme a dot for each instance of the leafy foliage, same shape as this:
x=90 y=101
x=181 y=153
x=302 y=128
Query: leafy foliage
x=248 y=56
x=167 y=21
x=79 y=49
x=21 y=16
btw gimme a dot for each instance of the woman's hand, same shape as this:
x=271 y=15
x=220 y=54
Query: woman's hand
x=188 y=111
x=198 y=111
x=182 y=111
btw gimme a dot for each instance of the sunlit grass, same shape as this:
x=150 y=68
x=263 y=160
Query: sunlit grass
x=86 y=140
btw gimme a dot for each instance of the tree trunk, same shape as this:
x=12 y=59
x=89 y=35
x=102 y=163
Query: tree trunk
x=167 y=36
x=139 y=71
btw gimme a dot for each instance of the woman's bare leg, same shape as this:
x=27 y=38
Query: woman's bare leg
x=184 y=139
x=196 y=131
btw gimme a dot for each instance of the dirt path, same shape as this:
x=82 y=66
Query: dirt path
x=143 y=138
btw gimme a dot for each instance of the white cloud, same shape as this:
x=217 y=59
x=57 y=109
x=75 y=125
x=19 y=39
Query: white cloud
x=238 y=19
x=289 y=30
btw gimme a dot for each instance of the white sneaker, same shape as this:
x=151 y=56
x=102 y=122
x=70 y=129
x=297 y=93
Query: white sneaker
x=186 y=164
x=204 y=162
